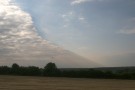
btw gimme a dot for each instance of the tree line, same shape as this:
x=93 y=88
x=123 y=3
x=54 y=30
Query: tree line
x=51 y=70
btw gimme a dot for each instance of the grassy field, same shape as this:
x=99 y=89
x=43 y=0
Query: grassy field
x=45 y=83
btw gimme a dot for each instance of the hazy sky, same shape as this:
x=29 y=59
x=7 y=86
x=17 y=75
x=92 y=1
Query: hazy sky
x=102 y=31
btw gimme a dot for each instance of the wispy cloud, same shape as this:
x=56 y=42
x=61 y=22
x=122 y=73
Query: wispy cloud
x=71 y=17
x=128 y=31
x=129 y=28
x=79 y=1
x=81 y=18
x=74 y=2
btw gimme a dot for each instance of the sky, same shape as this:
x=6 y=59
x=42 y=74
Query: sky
x=71 y=33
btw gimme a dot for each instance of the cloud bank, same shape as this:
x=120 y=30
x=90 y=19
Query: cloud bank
x=125 y=59
x=20 y=43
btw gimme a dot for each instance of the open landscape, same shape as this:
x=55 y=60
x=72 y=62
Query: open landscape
x=52 y=83
x=67 y=45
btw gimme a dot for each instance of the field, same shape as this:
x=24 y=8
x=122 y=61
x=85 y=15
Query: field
x=46 y=83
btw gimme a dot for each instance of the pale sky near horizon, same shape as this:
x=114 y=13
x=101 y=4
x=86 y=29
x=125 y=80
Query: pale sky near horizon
x=100 y=30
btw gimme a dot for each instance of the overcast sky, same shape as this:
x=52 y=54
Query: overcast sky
x=101 y=31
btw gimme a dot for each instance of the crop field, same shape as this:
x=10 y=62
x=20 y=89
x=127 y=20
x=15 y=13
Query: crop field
x=48 y=83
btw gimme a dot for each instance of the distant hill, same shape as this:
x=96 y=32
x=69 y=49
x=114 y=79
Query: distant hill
x=113 y=69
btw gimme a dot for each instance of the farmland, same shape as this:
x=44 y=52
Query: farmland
x=51 y=83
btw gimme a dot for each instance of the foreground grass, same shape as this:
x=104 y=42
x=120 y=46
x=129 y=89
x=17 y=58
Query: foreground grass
x=46 y=83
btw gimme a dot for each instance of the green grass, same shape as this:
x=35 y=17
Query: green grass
x=47 y=83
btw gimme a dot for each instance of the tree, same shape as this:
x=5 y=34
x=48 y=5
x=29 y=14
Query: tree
x=15 y=69
x=15 y=66
x=5 y=70
x=50 y=70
